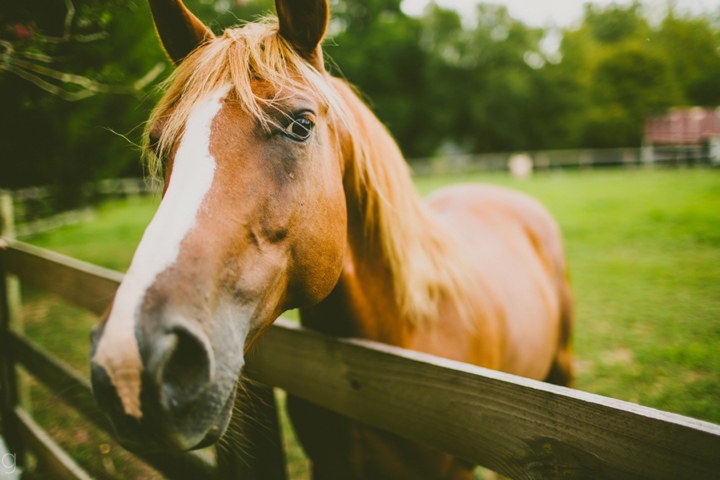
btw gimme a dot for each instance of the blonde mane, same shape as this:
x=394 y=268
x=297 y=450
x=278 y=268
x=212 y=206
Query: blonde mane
x=423 y=258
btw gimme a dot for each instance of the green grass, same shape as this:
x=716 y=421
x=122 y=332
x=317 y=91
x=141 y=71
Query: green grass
x=64 y=330
x=110 y=239
x=644 y=253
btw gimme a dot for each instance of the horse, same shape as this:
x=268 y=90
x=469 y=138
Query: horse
x=282 y=190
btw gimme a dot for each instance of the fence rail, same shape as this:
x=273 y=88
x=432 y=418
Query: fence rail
x=568 y=159
x=515 y=426
x=518 y=427
x=36 y=212
x=36 y=209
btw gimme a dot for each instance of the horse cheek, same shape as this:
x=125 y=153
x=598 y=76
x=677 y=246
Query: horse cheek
x=318 y=255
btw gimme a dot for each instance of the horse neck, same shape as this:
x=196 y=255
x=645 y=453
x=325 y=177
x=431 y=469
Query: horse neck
x=363 y=302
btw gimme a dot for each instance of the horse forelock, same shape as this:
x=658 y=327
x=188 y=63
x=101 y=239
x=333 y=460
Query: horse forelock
x=425 y=261
x=242 y=57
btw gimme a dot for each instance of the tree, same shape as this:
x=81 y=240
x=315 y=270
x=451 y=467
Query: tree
x=376 y=47
x=51 y=74
x=622 y=72
x=614 y=23
x=72 y=74
x=25 y=55
x=431 y=80
x=692 y=45
x=626 y=87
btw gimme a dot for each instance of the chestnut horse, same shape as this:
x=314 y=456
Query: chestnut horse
x=282 y=190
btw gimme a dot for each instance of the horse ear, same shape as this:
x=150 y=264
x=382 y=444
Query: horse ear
x=179 y=30
x=303 y=24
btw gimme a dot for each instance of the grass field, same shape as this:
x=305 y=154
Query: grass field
x=644 y=253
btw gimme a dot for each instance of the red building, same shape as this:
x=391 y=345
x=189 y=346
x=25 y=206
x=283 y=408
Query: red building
x=684 y=134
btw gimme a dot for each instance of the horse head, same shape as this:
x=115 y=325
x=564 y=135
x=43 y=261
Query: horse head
x=252 y=222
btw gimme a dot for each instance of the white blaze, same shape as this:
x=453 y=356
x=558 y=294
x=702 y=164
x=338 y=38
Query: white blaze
x=192 y=176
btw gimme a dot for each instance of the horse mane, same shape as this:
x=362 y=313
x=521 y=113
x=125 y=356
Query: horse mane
x=239 y=57
x=424 y=259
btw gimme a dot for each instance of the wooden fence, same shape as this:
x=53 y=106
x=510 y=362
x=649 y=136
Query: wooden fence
x=521 y=428
x=671 y=156
x=36 y=209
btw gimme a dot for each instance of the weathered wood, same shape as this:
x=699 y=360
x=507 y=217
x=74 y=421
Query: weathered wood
x=82 y=283
x=8 y=313
x=92 y=287
x=67 y=384
x=518 y=427
x=12 y=285
x=16 y=324
x=182 y=466
x=13 y=296
x=7 y=216
x=8 y=380
x=53 y=459
x=75 y=390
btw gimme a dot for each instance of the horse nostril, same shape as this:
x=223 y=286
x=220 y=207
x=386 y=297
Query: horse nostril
x=187 y=371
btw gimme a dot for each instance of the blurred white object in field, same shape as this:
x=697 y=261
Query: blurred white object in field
x=520 y=165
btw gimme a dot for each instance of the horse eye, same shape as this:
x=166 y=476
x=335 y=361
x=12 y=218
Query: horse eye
x=300 y=128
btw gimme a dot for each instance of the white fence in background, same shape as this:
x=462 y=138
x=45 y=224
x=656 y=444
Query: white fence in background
x=35 y=213
x=558 y=159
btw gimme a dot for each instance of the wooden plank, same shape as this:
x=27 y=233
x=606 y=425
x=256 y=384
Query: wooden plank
x=518 y=427
x=75 y=390
x=13 y=296
x=9 y=384
x=82 y=283
x=69 y=385
x=182 y=466
x=7 y=215
x=90 y=287
x=53 y=458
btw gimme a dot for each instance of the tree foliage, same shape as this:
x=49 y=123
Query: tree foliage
x=47 y=137
x=435 y=82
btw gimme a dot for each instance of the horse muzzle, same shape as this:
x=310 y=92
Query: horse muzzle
x=183 y=405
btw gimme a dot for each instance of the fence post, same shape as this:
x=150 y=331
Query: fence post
x=12 y=287
x=12 y=283
x=9 y=312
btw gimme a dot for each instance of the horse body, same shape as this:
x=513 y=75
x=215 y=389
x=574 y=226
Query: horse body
x=283 y=190
x=512 y=247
